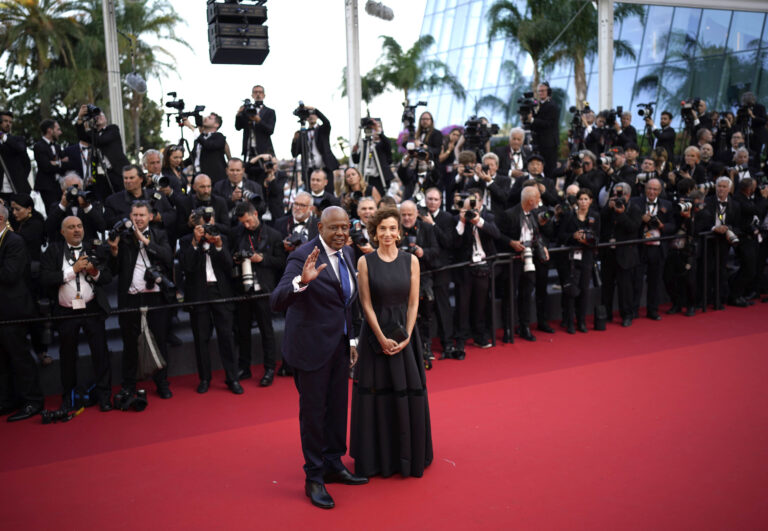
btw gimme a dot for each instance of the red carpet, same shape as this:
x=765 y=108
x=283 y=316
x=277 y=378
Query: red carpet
x=659 y=426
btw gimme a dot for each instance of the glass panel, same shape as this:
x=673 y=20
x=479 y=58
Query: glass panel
x=464 y=71
x=437 y=22
x=450 y=3
x=430 y=7
x=439 y=5
x=459 y=29
x=745 y=31
x=476 y=79
x=762 y=84
x=656 y=32
x=708 y=79
x=738 y=76
x=713 y=31
x=632 y=35
x=491 y=77
x=645 y=90
x=426 y=25
x=472 y=36
x=445 y=35
x=454 y=56
x=482 y=30
x=674 y=89
x=685 y=29
x=623 y=80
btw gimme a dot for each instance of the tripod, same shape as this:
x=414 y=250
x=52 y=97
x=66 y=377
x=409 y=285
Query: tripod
x=369 y=153
x=304 y=153
x=8 y=175
x=96 y=162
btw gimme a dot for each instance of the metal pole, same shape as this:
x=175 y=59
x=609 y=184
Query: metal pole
x=113 y=67
x=354 y=88
x=605 y=52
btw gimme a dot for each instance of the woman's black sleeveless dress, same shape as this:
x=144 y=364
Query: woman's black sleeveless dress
x=390 y=428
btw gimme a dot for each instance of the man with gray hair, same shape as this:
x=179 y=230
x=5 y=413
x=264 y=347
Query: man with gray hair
x=726 y=214
x=620 y=220
x=74 y=203
x=514 y=157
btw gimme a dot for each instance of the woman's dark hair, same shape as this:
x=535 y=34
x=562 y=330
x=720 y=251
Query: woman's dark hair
x=167 y=155
x=380 y=215
x=25 y=201
x=585 y=191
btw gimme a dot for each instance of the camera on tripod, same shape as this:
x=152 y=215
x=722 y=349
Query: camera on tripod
x=611 y=115
x=181 y=115
x=418 y=153
x=367 y=124
x=250 y=108
x=687 y=108
x=476 y=133
x=577 y=114
x=645 y=109
x=409 y=116
x=301 y=112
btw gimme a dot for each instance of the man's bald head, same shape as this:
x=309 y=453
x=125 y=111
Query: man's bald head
x=334 y=227
x=72 y=230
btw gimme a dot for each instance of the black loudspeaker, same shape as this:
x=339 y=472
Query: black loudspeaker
x=236 y=34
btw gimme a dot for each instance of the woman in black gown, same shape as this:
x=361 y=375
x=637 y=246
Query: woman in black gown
x=390 y=427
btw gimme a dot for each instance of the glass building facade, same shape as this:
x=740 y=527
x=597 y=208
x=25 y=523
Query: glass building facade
x=681 y=53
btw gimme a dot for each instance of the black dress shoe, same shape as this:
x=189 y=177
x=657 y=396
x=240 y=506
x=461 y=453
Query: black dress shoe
x=105 y=404
x=654 y=317
x=318 y=495
x=507 y=336
x=690 y=312
x=483 y=343
x=174 y=341
x=164 y=392
x=244 y=374
x=570 y=329
x=345 y=477
x=740 y=302
x=673 y=310
x=269 y=376
x=582 y=327
x=203 y=386
x=235 y=387
x=458 y=353
x=526 y=334
x=285 y=370
x=627 y=321
x=544 y=327
x=30 y=410
x=718 y=307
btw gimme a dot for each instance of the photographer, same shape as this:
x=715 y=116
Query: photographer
x=417 y=172
x=512 y=158
x=235 y=188
x=74 y=202
x=263 y=170
x=544 y=124
x=318 y=143
x=15 y=160
x=383 y=148
x=19 y=382
x=596 y=139
x=495 y=186
x=257 y=122
x=300 y=225
x=208 y=154
x=108 y=156
x=631 y=153
x=207 y=263
x=726 y=216
x=448 y=157
x=665 y=136
x=746 y=251
x=358 y=232
x=545 y=184
x=51 y=161
x=353 y=189
x=751 y=120
x=519 y=230
x=428 y=137
x=647 y=172
x=740 y=168
x=626 y=133
x=173 y=168
x=726 y=156
x=620 y=220
x=75 y=274
x=580 y=228
x=118 y=205
x=262 y=247
x=658 y=220
x=142 y=260
x=209 y=206
x=169 y=186
x=419 y=239
x=474 y=234
x=689 y=169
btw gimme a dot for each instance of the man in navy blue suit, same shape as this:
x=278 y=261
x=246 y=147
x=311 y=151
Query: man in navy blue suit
x=320 y=345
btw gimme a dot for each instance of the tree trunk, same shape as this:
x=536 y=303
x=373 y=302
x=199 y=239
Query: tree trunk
x=579 y=79
x=405 y=93
x=135 y=112
x=535 y=74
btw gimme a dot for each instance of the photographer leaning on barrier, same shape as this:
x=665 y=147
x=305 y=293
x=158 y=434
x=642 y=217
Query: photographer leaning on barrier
x=75 y=201
x=107 y=157
x=257 y=122
x=725 y=214
x=142 y=260
x=74 y=272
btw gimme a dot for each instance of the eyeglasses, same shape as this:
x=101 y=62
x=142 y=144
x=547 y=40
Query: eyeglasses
x=302 y=205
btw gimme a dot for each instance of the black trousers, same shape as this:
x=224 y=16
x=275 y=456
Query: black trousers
x=651 y=273
x=581 y=274
x=472 y=299
x=222 y=316
x=95 y=332
x=542 y=301
x=744 y=278
x=680 y=273
x=524 y=284
x=718 y=247
x=130 y=328
x=246 y=311
x=442 y=307
x=618 y=278
x=19 y=382
x=323 y=396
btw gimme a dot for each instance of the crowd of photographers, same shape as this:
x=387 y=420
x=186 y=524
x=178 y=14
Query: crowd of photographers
x=198 y=225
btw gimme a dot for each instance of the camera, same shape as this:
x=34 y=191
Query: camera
x=251 y=196
x=526 y=104
x=707 y=186
x=154 y=276
x=590 y=237
x=123 y=227
x=576 y=161
x=321 y=203
x=301 y=112
x=251 y=108
x=645 y=109
x=367 y=124
x=98 y=254
x=644 y=177
x=73 y=193
x=137 y=401
x=57 y=415
x=297 y=238
x=356 y=233
x=654 y=222
x=544 y=214
x=458 y=200
x=471 y=212
x=409 y=116
x=204 y=213
x=160 y=181
x=687 y=108
x=91 y=112
x=246 y=268
x=606 y=159
x=611 y=114
x=618 y=200
x=528 y=265
x=477 y=133
x=211 y=229
x=409 y=244
x=181 y=115
x=418 y=153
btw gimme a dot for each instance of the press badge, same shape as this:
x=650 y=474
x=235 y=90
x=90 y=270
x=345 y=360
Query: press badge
x=78 y=303
x=577 y=255
x=476 y=257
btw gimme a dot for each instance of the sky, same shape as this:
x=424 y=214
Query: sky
x=307 y=40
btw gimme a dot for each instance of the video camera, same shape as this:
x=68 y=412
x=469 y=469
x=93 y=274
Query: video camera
x=526 y=104
x=577 y=113
x=611 y=115
x=687 y=108
x=477 y=133
x=181 y=115
x=645 y=109
x=251 y=108
x=409 y=116
x=302 y=113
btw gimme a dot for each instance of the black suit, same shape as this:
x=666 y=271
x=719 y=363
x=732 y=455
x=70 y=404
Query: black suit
x=49 y=166
x=628 y=135
x=13 y=151
x=258 y=133
x=110 y=145
x=578 y=268
x=318 y=325
x=618 y=264
x=220 y=213
x=506 y=164
x=79 y=161
x=496 y=193
x=665 y=137
x=224 y=189
x=443 y=229
x=423 y=236
x=52 y=278
x=18 y=372
x=320 y=135
x=732 y=217
x=93 y=220
x=286 y=226
x=268 y=243
x=213 y=160
x=748 y=248
x=548 y=197
x=413 y=182
x=546 y=133
x=158 y=253
x=198 y=287
x=118 y=206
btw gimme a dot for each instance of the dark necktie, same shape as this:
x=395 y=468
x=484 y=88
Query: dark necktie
x=723 y=204
x=75 y=248
x=346 y=289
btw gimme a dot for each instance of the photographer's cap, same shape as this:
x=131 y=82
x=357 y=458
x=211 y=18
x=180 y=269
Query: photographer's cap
x=535 y=156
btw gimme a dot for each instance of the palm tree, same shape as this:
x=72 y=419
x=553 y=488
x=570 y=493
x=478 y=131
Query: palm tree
x=506 y=108
x=369 y=87
x=410 y=71
x=37 y=33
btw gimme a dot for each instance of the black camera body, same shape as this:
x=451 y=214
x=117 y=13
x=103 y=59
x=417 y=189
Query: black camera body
x=645 y=109
x=590 y=237
x=654 y=222
x=124 y=227
x=526 y=104
x=242 y=254
x=409 y=244
x=181 y=115
x=131 y=401
x=301 y=112
x=576 y=161
x=92 y=111
x=154 y=275
x=204 y=213
x=295 y=239
x=73 y=193
x=409 y=116
x=251 y=109
x=545 y=214
x=419 y=153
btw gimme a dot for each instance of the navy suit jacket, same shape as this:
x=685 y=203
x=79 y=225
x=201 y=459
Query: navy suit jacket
x=315 y=317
